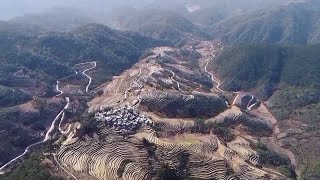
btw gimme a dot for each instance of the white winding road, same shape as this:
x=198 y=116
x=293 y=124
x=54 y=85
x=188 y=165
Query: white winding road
x=139 y=98
x=139 y=101
x=235 y=99
x=60 y=128
x=290 y=155
x=48 y=134
x=58 y=82
x=211 y=74
x=47 y=137
x=52 y=127
x=84 y=73
x=172 y=78
x=57 y=88
x=250 y=107
x=140 y=71
x=217 y=82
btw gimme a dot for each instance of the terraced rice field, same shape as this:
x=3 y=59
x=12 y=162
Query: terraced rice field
x=108 y=156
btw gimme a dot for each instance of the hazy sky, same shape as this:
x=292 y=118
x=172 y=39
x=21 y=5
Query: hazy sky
x=12 y=8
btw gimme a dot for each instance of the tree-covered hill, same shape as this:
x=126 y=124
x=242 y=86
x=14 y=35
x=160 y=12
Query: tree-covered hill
x=31 y=63
x=159 y=24
x=287 y=78
x=293 y=23
x=41 y=54
x=250 y=66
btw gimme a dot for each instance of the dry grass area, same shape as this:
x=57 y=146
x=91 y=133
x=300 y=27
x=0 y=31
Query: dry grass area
x=231 y=113
x=73 y=89
x=264 y=113
x=170 y=121
x=28 y=107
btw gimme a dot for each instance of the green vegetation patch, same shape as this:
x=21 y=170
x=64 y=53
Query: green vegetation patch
x=31 y=169
x=312 y=173
x=11 y=97
x=221 y=130
x=89 y=124
x=268 y=157
x=266 y=67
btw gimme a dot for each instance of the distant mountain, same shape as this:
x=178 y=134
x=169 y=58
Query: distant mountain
x=159 y=24
x=294 y=23
x=15 y=29
x=210 y=12
x=13 y=8
x=56 y=19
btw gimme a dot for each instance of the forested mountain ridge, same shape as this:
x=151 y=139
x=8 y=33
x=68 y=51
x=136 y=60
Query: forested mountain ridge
x=159 y=24
x=293 y=23
x=250 y=65
x=91 y=42
x=287 y=79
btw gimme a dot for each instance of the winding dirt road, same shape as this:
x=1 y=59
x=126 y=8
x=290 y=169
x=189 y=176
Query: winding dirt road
x=172 y=79
x=58 y=82
x=57 y=88
x=211 y=74
x=235 y=99
x=273 y=142
x=60 y=123
x=252 y=105
x=52 y=127
x=84 y=73
x=47 y=137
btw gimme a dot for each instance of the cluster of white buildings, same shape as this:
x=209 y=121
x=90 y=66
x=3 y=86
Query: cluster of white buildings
x=124 y=120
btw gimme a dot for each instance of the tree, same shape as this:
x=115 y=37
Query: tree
x=100 y=92
x=312 y=173
x=31 y=169
x=166 y=173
